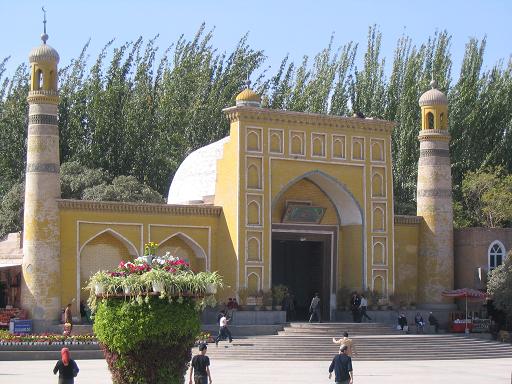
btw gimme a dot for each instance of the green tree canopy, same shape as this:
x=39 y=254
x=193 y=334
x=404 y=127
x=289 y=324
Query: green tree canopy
x=137 y=110
x=75 y=178
x=499 y=286
x=77 y=182
x=11 y=210
x=123 y=188
x=486 y=199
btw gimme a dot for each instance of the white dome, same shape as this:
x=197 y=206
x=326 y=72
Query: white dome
x=433 y=96
x=43 y=54
x=195 y=178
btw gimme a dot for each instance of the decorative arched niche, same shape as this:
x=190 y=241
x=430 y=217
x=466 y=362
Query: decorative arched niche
x=297 y=145
x=358 y=148
x=338 y=147
x=377 y=184
x=379 y=253
x=253 y=141
x=379 y=285
x=318 y=145
x=186 y=248
x=253 y=249
x=253 y=177
x=103 y=252
x=379 y=223
x=253 y=282
x=253 y=213
x=377 y=151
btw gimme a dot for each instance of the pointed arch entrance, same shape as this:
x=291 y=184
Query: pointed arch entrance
x=186 y=248
x=308 y=215
x=103 y=251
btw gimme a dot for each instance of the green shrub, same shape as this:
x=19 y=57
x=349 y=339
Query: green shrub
x=149 y=342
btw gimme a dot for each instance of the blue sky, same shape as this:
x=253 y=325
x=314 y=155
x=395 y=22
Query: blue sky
x=277 y=27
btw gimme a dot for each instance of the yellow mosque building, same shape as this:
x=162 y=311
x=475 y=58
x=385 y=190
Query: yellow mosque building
x=300 y=199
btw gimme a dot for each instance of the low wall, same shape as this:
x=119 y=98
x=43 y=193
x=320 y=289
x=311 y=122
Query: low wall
x=209 y=316
x=391 y=316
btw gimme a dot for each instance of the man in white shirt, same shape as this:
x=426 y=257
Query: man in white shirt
x=224 y=331
x=363 y=307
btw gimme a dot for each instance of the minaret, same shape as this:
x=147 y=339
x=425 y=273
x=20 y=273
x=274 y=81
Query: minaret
x=40 y=290
x=434 y=197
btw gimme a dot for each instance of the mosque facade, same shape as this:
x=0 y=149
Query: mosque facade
x=300 y=199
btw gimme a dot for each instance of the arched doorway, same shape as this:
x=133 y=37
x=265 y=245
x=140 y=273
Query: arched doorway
x=104 y=251
x=185 y=248
x=307 y=216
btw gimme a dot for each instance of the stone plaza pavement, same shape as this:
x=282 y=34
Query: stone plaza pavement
x=488 y=371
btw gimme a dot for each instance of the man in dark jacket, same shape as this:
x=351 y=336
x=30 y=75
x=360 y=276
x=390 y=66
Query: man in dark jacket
x=342 y=367
x=433 y=321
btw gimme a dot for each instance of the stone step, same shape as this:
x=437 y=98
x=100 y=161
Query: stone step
x=313 y=342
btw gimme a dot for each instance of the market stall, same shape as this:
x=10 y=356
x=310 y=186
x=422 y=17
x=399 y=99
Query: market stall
x=464 y=325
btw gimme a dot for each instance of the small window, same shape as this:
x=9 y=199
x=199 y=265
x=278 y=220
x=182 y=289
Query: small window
x=430 y=120
x=496 y=254
x=39 y=81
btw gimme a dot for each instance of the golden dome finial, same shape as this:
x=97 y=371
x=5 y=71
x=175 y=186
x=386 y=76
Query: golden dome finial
x=248 y=98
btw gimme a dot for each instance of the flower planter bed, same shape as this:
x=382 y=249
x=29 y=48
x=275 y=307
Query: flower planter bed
x=130 y=295
x=146 y=316
x=9 y=339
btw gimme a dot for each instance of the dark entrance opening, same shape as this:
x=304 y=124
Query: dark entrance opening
x=303 y=265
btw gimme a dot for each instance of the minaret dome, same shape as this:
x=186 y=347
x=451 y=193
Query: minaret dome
x=248 y=97
x=434 y=109
x=43 y=62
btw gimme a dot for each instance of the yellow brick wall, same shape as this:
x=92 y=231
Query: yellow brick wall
x=406 y=259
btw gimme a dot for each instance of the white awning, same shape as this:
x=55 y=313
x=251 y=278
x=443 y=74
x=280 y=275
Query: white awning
x=10 y=264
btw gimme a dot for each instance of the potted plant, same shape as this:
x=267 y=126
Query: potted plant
x=267 y=300
x=243 y=293
x=259 y=300
x=394 y=300
x=150 y=252
x=158 y=279
x=99 y=282
x=342 y=298
x=132 y=285
x=374 y=297
x=278 y=293
x=213 y=282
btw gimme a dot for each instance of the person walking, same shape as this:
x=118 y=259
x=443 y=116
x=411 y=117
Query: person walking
x=433 y=321
x=224 y=331
x=342 y=366
x=349 y=343
x=363 y=307
x=355 y=303
x=314 y=308
x=200 y=367
x=66 y=367
x=68 y=320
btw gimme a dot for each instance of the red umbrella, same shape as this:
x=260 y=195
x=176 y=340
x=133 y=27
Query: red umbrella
x=467 y=293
